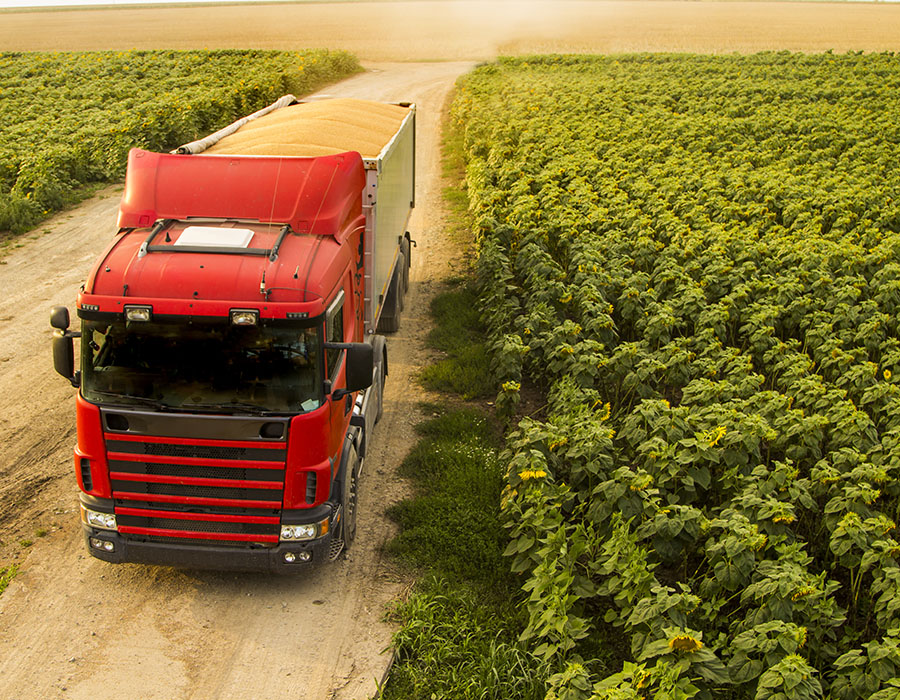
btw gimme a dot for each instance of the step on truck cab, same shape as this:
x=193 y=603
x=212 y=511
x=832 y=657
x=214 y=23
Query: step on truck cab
x=231 y=368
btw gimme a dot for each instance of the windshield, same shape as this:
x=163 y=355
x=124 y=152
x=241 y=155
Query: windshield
x=201 y=366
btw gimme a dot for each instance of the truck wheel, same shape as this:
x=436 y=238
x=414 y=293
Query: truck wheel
x=349 y=499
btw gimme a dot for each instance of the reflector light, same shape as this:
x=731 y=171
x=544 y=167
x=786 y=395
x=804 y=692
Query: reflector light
x=244 y=317
x=138 y=313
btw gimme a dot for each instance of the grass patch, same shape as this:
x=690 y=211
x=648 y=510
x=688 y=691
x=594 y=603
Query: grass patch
x=7 y=574
x=451 y=527
x=454 y=644
x=453 y=171
x=459 y=630
x=465 y=368
x=457 y=331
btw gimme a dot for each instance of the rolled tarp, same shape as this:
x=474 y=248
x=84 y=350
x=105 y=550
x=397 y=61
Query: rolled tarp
x=202 y=144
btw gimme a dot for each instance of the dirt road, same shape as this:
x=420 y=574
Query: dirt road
x=75 y=627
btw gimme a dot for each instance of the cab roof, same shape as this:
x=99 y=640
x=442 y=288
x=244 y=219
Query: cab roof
x=315 y=195
x=257 y=228
x=307 y=267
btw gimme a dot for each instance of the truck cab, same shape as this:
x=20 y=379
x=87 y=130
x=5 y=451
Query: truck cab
x=230 y=373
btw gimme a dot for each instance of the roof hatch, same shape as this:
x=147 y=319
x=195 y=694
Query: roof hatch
x=215 y=237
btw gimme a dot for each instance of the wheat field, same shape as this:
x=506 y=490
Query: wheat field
x=465 y=30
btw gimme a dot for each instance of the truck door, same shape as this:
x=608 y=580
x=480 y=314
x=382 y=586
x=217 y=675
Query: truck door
x=334 y=366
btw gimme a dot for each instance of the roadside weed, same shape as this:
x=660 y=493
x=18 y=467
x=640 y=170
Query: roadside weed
x=464 y=368
x=7 y=574
x=459 y=630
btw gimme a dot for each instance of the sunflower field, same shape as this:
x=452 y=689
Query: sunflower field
x=693 y=262
x=69 y=119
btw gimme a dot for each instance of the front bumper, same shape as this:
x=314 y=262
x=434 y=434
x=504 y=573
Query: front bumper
x=195 y=555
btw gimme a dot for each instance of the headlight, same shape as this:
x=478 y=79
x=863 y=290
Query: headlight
x=105 y=545
x=310 y=531
x=138 y=313
x=102 y=521
x=244 y=317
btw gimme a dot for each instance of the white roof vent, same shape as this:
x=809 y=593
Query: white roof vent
x=215 y=237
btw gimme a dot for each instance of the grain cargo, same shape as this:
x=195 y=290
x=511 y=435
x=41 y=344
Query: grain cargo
x=316 y=129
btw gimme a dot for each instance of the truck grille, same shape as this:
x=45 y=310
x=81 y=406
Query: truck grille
x=213 y=491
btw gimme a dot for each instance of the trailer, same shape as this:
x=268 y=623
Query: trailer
x=232 y=357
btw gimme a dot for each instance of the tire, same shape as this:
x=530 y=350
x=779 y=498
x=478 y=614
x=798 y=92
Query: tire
x=349 y=497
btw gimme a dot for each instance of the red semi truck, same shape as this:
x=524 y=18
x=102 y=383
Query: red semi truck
x=231 y=366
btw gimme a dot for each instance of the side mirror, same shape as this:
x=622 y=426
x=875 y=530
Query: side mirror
x=59 y=318
x=64 y=356
x=359 y=369
x=360 y=366
x=63 y=350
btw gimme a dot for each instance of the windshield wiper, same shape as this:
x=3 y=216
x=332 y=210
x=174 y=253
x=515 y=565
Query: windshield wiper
x=224 y=406
x=145 y=400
